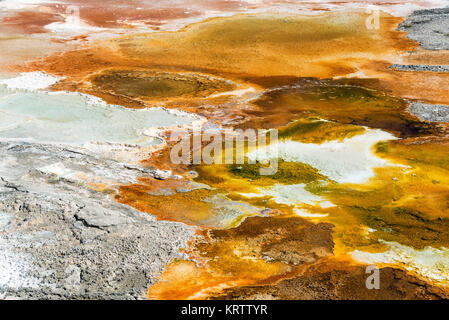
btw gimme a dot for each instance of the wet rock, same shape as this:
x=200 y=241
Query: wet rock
x=331 y=280
x=161 y=174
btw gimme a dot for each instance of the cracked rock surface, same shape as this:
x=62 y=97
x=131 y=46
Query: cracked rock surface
x=59 y=239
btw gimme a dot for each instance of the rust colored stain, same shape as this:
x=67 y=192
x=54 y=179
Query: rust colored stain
x=300 y=56
x=188 y=207
x=301 y=53
x=300 y=68
x=29 y=22
x=120 y=13
x=106 y=16
x=258 y=251
x=339 y=280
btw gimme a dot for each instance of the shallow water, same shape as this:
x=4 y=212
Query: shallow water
x=157 y=85
x=72 y=118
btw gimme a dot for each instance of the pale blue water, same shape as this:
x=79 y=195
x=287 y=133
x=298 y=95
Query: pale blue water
x=69 y=118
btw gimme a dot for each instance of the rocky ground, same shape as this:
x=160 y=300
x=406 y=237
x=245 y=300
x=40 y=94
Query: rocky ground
x=430 y=112
x=60 y=239
x=430 y=28
x=420 y=67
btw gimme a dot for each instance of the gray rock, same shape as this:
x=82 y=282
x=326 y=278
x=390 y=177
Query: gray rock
x=428 y=27
x=59 y=239
x=161 y=174
x=420 y=67
x=430 y=112
x=5 y=219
